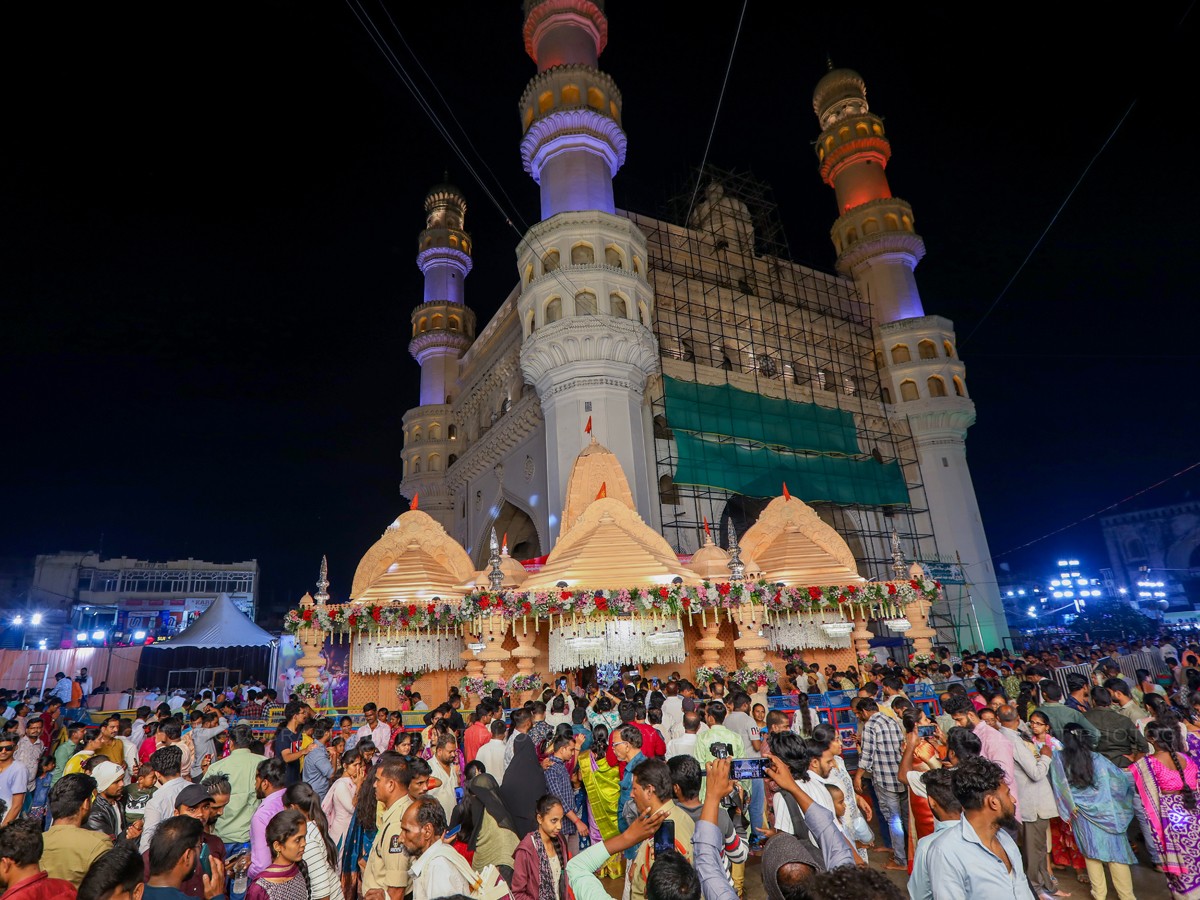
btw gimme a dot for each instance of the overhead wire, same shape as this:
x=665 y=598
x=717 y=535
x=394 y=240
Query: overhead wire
x=717 y=113
x=393 y=60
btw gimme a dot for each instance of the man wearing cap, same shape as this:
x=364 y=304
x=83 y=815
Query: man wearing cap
x=195 y=802
x=107 y=816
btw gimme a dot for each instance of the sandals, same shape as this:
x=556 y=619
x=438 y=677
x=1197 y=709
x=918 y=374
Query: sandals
x=1082 y=877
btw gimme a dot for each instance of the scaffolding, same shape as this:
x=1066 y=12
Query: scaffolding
x=732 y=308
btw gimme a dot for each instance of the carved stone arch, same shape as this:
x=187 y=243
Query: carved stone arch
x=525 y=539
x=583 y=254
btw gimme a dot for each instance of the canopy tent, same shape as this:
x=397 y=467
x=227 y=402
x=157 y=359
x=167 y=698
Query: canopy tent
x=221 y=637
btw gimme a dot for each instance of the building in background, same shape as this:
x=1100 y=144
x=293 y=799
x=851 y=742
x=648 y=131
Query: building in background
x=1155 y=557
x=89 y=600
x=714 y=367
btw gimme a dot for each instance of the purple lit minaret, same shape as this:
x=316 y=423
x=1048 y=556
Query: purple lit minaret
x=585 y=305
x=573 y=144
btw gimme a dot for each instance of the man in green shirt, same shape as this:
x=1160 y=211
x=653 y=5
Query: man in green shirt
x=240 y=767
x=66 y=750
x=1061 y=715
x=717 y=734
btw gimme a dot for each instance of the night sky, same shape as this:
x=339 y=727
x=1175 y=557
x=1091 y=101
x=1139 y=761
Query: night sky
x=209 y=218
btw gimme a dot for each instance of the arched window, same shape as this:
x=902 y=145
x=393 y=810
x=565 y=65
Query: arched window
x=887 y=395
x=861 y=130
x=455 y=325
x=437 y=321
x=959 y=388
x=685 y=347
x=726 y=359
x=416 y=465
x=435 y=462
x=927 y=350
x=891 y=222
x=582 y=255
x=637 y=266
x=570 y=95
x=595 y=98
x=530 y=323
x=554 y=310
x=435 y=432
x=849 y=385
x=667 y=492
x=661 y=429
x=417 y=435
x=550 y=261
x=545 y=101
x=617 y=306
x=908 y=390
x=949 y=348
x=643 y=314
x=423 y=324
x=585 y=304
x=452 y=460
x=937 y=386
x=613 y=257
x=900 y=354
x=452 y=432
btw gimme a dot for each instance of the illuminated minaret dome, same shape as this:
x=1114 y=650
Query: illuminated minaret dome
x=585 y=304
x=924 y=381
x=443 y=327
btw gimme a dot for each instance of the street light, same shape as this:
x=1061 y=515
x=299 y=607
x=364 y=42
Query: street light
x=36 y=619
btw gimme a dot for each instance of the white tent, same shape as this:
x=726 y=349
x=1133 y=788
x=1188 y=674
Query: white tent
x=221 y=625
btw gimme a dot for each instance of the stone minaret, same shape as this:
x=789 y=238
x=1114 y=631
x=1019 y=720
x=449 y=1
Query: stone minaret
x=924 y=381
x=585 y=303
x=442 y=330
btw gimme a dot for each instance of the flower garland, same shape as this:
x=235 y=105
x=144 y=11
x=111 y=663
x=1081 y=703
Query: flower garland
x=794 y=657
x=482 y=687
x=751 y=679
x=866 y=660
x=667 y=600
x=520 y=683
x=306 y=693
x=705 y=674
x=920 y=658
x=406 y=681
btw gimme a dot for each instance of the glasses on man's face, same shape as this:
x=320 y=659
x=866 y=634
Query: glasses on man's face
x=620 y=744
x=6 y=748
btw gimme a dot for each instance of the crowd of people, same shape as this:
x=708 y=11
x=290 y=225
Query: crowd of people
x=1014 y=778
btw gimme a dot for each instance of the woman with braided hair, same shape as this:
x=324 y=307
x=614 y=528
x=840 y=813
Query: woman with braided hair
x=1166 y=786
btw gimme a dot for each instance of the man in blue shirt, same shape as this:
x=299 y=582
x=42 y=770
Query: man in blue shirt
x=976 y=858
x=946 y=813
x=627 y=747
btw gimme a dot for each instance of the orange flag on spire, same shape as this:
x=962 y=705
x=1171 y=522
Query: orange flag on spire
x=786 y=494
x=707 y=530
x=413 y=505
x=588 y=428
x=504 y=543
x=603 y=492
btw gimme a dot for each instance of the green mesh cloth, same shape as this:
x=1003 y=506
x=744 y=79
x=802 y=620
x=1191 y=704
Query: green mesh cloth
x=720 y=433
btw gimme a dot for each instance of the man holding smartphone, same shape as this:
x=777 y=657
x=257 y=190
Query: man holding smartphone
x=653 y=791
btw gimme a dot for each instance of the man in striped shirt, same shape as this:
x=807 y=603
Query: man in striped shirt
x=882 y=747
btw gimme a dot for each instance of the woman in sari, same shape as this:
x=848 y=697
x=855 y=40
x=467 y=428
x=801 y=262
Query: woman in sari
x=1063 y=850
x=361 y=834
x=603 y=787
x=1166 y=787
x=487 y=828
x=1097 y=799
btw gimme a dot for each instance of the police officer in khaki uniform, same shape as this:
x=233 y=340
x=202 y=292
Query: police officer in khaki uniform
x=386 y=874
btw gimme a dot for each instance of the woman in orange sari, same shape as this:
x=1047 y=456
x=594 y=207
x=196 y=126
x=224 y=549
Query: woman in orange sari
x=921 y=754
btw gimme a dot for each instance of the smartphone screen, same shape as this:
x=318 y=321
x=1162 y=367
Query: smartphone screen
x=749 y=768
x=205 y=863
x=926 y=731
x=664 y=838
x=452 y=832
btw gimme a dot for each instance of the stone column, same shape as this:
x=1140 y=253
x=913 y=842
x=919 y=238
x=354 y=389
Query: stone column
x=471 y=661
x=494 y=654
x=918 y=613
x=710 y=645
x=525 y=653
x=311 y=640
x=861 y=639
x=751 y=646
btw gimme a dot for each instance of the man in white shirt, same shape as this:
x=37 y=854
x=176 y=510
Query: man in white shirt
x=491 y=754
x=437 y=870
x=137 y=733
x=176 y=701
x=166 y=762
x=62 y=688
x=445 y=770
x=672 y=708
x=376 y=729
x=685 y=744
x=418 y=703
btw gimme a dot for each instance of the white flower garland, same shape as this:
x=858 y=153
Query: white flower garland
x=803 y=635
x=372 y=654
x=635 y=641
